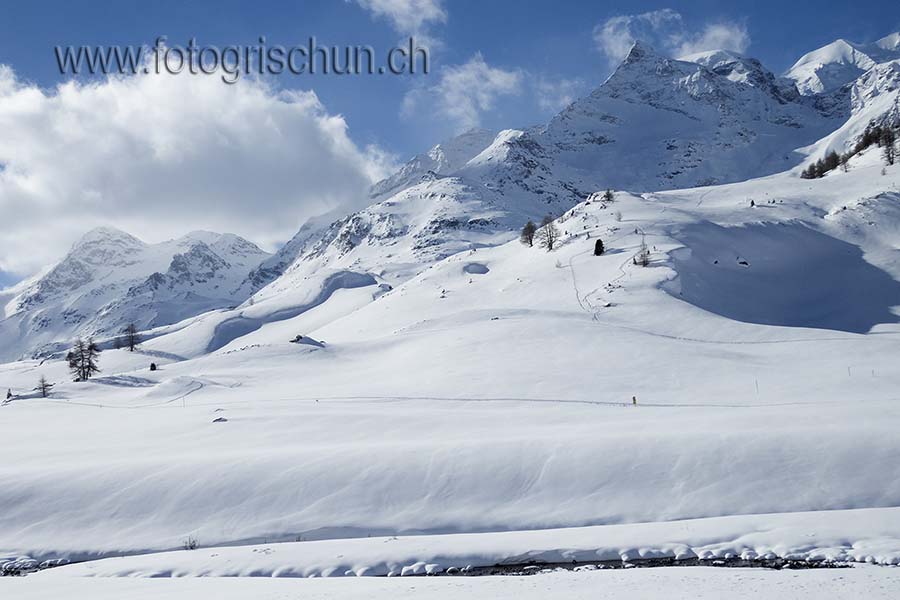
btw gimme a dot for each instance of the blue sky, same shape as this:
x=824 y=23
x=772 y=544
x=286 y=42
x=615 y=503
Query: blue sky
x=548 y=40
x=159 y=157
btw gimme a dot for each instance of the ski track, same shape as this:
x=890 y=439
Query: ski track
x=200 y=386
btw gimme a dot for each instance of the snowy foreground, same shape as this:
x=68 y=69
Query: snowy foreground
x=872 y=583
x=868 y=536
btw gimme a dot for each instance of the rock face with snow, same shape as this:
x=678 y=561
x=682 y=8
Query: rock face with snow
x=742 y=69
x=441 y=159
x=659 y=123
x=397 y=238
x=111 y=279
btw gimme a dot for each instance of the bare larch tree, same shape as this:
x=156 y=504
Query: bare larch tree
x=547 y=234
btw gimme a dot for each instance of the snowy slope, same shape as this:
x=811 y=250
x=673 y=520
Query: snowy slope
x=110 y=279
x=274 y=266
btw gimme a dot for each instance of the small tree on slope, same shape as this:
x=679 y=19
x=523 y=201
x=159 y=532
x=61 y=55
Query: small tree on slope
x=528 y=232
x=642 y=258
x=43 y=387
x=132 y=338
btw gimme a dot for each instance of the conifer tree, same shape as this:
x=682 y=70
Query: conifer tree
x=83 y=359
x=43 y=387
x=889 y=150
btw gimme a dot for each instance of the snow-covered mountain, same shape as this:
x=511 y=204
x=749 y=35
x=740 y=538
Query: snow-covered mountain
x=656 y=123
x=659 y=123
x=873 y=98
x=442 y=159
x=110 y=279
x=840 y=63
x=743 y=69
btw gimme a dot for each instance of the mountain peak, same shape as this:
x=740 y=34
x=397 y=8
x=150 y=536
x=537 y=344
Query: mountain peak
x=640 y=51
x=833 y=66
x=712 y=58
x=453 y=153
x=107 y=234
x=201 y=235
x=442 y=159
x=745 y=70
x=889 y=42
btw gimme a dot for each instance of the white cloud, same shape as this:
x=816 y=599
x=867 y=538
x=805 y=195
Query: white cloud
x=159 y=155
x=553 y=95
x=666 y=30
x=464 y=92
x=716 y=36
x=615 y=36
x=407 y=16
